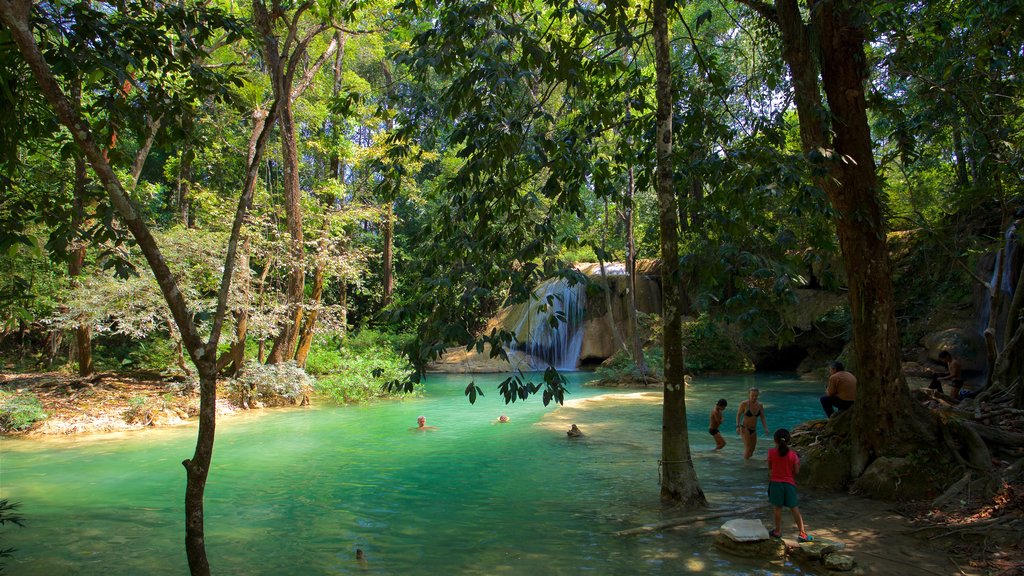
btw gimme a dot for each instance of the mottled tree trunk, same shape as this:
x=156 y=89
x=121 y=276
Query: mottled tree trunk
x=309 y=326
x=678 y=477
x=197 y=471
x=83 y=333
x=287 y=339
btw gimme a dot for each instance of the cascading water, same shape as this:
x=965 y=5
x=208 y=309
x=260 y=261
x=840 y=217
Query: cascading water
x=549 y=327
x=1003 y=266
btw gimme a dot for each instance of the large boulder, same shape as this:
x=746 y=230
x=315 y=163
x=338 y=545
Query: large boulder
x=966 y=345
x=748 y=539
x=899 y=479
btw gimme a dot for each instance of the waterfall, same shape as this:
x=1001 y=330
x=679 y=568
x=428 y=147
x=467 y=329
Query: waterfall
x=1004 y=263
x=549 y=327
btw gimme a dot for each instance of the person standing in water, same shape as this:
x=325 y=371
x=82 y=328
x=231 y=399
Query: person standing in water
x=717 y=417
x=746 y=422
x=783 y=466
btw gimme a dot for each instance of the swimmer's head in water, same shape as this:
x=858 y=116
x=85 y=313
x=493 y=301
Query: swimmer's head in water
x=421 y=420
x=502 y=418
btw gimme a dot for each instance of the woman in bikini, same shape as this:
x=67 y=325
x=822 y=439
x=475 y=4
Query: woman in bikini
x=746 y=422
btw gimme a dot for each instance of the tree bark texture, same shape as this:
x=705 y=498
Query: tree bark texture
x=678 y=476
x=309 y=326
x=83 y=332
x=882 y=395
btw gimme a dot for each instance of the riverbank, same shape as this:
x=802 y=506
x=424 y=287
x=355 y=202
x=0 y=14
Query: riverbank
x=107 y=402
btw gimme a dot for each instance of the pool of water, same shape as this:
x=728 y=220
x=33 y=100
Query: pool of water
x=296 y=491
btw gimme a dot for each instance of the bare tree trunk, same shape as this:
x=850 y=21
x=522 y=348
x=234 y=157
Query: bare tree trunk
x=634 y=325
x=309 y=326
x=83 y=333
x=287 y=340
x=184 y=200
x=678 y=477
x=152 y=127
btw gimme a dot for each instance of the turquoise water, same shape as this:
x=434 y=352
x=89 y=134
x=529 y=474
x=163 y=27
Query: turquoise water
x=296 y=491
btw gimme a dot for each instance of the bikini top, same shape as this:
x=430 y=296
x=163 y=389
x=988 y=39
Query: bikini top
x=752 y=415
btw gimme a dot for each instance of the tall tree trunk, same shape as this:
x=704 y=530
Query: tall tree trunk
x=197 y=471
x=388 y=225
x=83 y=332
x=309 y=326
x=678 y=478
x=287 y=340
x=961 y=157
x=634 y=325
x=184 y=200
x=283 y=61
x=882 y=395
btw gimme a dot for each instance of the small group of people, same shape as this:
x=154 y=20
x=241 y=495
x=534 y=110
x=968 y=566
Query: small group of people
x=840 y=395
x=783 y=462
x=421 y=426
x=749 y=413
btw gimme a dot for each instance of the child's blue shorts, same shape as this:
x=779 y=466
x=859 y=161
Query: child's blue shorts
x=782 y=494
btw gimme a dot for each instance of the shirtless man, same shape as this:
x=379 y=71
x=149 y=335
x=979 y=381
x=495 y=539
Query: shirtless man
x=841 y=391
x=955 y=376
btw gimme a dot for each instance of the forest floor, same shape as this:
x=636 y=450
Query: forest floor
x=884 y=537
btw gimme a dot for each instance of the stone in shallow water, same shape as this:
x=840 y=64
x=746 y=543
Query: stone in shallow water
x=817 y=549
x=768 y=549
x=744 y=530
x=839 y=562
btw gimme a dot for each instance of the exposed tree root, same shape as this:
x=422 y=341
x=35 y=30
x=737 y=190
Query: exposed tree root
x=686 y=521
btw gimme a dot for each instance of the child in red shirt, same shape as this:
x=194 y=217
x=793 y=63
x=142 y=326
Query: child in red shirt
x=783 y=466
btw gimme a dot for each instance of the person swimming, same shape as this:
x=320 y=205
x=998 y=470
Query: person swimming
x=503 y=419
x=574 y=432
x=421 y=425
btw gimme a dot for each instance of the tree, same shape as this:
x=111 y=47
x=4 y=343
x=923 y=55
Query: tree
x=679 y=479
x=16 y=16
x=285 y=60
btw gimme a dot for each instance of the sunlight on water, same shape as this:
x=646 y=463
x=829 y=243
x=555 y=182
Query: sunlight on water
x=296 y=491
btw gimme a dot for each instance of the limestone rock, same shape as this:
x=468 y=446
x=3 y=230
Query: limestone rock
x=840 y=562
x=744 y=530
x=965 y=345
x=770 y=548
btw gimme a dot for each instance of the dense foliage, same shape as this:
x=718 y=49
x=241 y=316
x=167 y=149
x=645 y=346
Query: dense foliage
x=450 y=156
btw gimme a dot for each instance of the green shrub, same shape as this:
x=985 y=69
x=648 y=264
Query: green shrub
x=363 y=372
x=19 y=411
x=709 y=348
x=270 y=385
x=622 y=367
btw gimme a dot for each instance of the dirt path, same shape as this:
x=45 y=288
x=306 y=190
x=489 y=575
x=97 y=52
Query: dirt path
x=885 y=542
